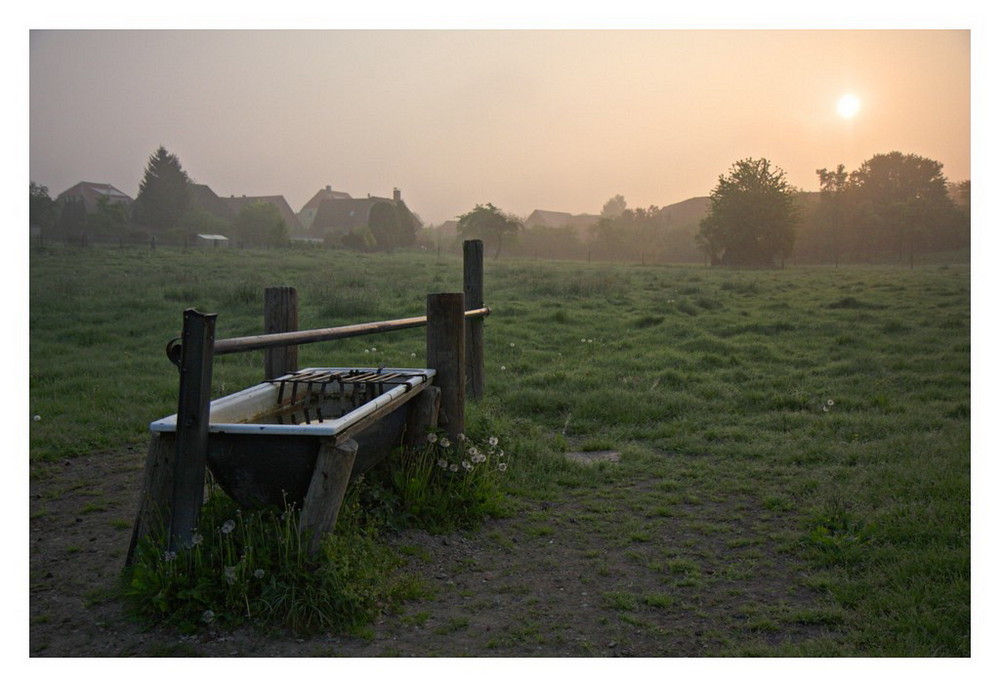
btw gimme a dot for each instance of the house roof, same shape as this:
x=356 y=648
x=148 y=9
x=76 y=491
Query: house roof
x=204 y=198
x=91 y=191
x=554 y=219
x=324 y=194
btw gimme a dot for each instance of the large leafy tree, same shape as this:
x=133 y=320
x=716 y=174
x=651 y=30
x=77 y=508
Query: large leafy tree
x=900 y=204
x=163 y=193
x=42 y=211
x=260 y=223
x=490 y=224
x=752 y=216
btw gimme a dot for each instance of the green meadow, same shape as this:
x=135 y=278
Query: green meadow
x=835 y=399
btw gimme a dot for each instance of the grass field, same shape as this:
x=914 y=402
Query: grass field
x=837 y=398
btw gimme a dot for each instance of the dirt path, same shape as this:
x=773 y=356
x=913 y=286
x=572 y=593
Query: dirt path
x=567 y=578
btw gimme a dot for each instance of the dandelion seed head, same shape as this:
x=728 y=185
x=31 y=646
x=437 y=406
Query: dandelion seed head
x=442 y=463
x=467 y=465
x=197 y=539
x=502 y=467
x=169 y=556
x=432 y=437
x=453 y=467
x=503 y=368
x=829 y=402
x=258 y=573
x=227 y=527
x=494 y=441
x=460 y=437
x=37 y=418
x=445 y=442
x=207 y=617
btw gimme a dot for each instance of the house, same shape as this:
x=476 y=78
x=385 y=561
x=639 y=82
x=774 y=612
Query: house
x=308 y=212
x=291 y=220
x=203 y=198
x=340 y=217
x=90 y=194
x=548 y=219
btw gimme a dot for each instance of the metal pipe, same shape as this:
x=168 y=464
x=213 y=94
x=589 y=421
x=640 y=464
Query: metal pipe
x=252 y=343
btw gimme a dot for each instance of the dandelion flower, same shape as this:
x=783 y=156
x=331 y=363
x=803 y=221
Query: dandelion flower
x=227 y=527
x=368 y=350
x=207 y=617
x=445 y=442
x=829 y=402
x=502 y=467
x=460 y=437
x=503 y=368
x=432 y=437
x=494 y=441
x=453 y=467
x=512 y=344
x=467 y=465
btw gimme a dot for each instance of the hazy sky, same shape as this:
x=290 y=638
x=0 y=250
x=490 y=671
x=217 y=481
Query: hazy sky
x=525 y=119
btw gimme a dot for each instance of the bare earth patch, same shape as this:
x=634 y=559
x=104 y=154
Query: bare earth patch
x=630 y=574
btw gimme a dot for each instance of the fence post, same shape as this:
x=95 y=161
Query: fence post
x=473 y=277
x=193 y=404
x=446 y=355
x=281 y=314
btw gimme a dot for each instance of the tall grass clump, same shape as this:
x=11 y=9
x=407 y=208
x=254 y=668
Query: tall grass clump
x=441 y=486
x=254 y=568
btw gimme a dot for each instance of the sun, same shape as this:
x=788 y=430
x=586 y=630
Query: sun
x=848 y=105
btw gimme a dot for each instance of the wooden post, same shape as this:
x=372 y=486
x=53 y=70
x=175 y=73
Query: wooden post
x=326 y=489
x=157 y=485
x=475 y=368
x=281 y=314
x=198 y=339
x=446 y=355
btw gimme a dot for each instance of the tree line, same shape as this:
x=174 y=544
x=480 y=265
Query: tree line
x=163 y=208
x=892 y=208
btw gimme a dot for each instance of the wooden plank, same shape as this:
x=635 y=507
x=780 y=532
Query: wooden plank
x=326 y=490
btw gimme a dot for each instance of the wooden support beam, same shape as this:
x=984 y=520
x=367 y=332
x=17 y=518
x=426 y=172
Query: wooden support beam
x=157 y=485
x=326 y=490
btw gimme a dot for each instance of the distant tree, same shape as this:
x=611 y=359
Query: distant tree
x=72 y=218
x=490 y=224
x=832 y=213
x=110 y=219
x=614 y=207
x=198 y=221
x=752 y=216
x=42 y=210
x=260 y=223
x=901 y=204
x=163 y=193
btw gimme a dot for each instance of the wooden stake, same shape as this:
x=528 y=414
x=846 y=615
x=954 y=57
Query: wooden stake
x=473 y=276
x=446 y=355
x=281 y=314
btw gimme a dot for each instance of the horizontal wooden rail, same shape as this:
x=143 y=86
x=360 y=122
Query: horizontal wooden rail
x=260 y=341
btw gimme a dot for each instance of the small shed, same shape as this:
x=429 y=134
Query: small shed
x=211 y=240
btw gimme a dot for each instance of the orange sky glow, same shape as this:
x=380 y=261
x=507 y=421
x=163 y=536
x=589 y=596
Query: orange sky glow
x=540 y=119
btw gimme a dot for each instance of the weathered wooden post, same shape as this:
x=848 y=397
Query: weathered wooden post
x=281 y=314
x=197 y=351
x=473 y=277
x=446 y=355
x=326 y=490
